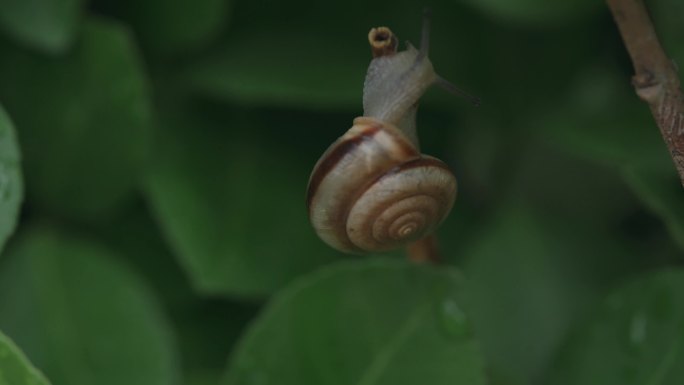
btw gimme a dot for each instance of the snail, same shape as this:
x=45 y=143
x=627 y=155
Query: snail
x=372 y=190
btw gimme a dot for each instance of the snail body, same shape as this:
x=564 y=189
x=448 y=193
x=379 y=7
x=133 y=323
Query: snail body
x=372 y=190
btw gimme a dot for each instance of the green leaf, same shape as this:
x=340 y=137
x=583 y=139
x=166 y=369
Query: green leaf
x=368 y=322
x=207 y=332
x=659 y=187
x=174 y=27
x=11 y=183
x=635 y=337
x=529 y=278
x=83 y=121
x=46 y=25
x=82 y=316
x=15 y=368
x=600 y=118
x=314 y=56
x=538 y=12
x=611 y=126
x=232 y=205
x=667 y=17
x=199 y=322
x=261 y=68
x=147 y=252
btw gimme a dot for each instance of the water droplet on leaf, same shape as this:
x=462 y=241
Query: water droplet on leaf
x=453 y=320
x=637 y=330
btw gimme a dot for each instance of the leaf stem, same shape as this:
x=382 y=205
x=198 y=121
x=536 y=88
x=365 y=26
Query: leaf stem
x=656 y=81
x=424 y=251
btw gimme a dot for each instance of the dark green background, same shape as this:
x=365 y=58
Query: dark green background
x=154 y=157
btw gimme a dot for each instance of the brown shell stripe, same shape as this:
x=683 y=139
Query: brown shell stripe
x=423 y=161
x=334 y=157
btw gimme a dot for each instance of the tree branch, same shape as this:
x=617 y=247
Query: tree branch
x=656 y=81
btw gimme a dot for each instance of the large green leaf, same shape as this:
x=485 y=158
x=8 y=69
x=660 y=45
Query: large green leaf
x=81 y=315
x=232 y=205
x=667 y=17
x=661 y=191
x=600 y=118
x=314 y=72
x=15 y=368
x=47 y=25
x=174 y=27
x=635 y=337
x=529 y=278
x=83 y=120
x=11 y=184
x=371 y=322
x=608 y=124
x=537 y=12
x=147 y=252
x=206 y=328
x=316 y=56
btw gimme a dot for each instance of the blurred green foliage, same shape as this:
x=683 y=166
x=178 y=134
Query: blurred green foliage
x=49 y=26
x=93 y=125
x=163 y=239
x=15 y=368
x=381 y=322
x=633 y=337
x=61 y=296
x=11 y=183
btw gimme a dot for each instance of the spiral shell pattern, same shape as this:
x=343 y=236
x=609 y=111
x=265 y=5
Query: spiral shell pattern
x=373 y=191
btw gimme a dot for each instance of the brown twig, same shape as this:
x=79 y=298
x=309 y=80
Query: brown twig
x=424 y=250
x=656 y=81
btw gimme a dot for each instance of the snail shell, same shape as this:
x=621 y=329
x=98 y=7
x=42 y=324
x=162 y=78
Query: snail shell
x=373 y=191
